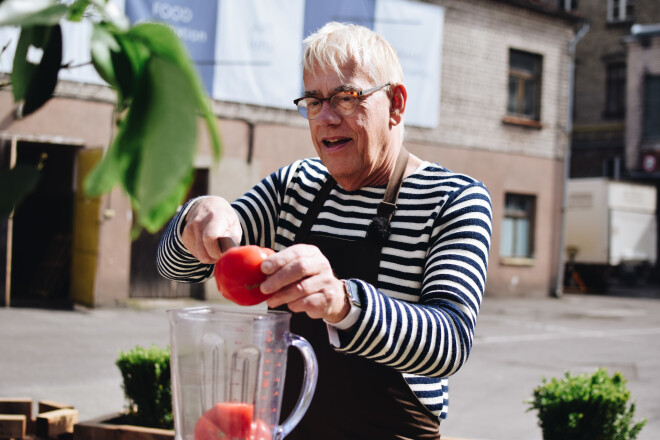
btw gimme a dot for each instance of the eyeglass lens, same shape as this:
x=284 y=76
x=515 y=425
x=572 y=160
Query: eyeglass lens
x=343 y=103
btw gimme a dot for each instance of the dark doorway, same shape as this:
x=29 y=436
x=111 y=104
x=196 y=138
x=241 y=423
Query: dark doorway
x=146 y=282
x=42 y=227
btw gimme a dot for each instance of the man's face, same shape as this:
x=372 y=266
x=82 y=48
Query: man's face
x=356 y=148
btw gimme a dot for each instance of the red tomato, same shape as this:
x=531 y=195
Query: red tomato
x=238 y=274
x=231 y=420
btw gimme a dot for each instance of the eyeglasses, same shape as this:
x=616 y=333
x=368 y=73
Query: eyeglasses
x=343 y=103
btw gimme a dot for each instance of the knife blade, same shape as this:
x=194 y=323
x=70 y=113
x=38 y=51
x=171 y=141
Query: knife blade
x=226 y=243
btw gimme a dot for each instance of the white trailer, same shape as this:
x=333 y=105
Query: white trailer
x=610 y=224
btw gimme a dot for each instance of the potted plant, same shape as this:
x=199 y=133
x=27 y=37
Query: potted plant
x=585 y=407
x=147 y=387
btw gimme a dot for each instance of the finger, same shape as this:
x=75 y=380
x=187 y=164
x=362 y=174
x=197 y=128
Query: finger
x=292 y=265
x=191 y=239
x=314 y=306
x=214 y=230
x=287 y=294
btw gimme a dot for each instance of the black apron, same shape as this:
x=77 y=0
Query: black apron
x=355 y=397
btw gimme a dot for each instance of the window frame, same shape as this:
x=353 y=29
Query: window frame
x=620 y=11
x=650 y=130
x=523 y=76
x=529 y=215
x=615 y=90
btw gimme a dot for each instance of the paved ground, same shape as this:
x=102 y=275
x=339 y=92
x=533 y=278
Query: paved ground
x=69 y=356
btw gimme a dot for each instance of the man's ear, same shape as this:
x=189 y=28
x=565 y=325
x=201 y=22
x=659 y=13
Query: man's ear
x=398 y=103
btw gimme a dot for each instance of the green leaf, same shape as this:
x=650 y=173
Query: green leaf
x=20 y=180
x=128 y=64
x=102 y=45
x=44 y=81
x=153 y=152
x=31 y=13
x=152 y=155
x=77 y=10
x=22 y=70
x=162 y=41
x=154 y=217
x=105 y=175
x=163 y=120
x=34 y=84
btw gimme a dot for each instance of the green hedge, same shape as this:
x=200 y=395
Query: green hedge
x=147 y=386
x=593 y=407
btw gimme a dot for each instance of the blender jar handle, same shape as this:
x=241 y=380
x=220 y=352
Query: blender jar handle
x=308 y=386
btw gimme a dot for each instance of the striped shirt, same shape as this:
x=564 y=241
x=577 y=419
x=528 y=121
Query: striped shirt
x=421 y=318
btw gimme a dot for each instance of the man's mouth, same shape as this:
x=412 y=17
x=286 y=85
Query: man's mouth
x=335 y=143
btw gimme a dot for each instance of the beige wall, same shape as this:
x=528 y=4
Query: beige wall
x=502 y=173
x=477 y=38
x=63 y=120
x=470 y=137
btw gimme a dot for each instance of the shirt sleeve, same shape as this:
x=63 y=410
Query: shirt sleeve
x=433 y=337
x=257 y=211
x=173 y=260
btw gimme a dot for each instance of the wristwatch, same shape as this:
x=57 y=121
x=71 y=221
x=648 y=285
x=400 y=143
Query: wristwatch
x=352 y=298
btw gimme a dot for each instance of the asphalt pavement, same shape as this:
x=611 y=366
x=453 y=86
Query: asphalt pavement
x=69 y=356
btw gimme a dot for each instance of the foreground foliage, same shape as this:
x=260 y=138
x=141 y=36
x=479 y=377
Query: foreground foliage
x=582 y=407
x=147 y=386
x=160 y=99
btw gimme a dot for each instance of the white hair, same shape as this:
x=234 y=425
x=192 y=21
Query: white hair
x=337 y=45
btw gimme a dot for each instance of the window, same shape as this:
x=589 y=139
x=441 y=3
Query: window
x=524 y=85
x=651 y=118
x=568 y=5
x=518 y=226
x=620 y=10
x=615 y=91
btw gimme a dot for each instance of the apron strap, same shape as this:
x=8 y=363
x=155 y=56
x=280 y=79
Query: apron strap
x=314 y=209
x=379 y=228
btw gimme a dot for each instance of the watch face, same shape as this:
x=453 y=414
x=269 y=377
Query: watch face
x=351 y=294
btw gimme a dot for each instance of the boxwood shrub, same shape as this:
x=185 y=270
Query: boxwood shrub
x=147 y=386
x=593 y=407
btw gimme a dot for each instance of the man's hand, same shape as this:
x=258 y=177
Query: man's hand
x=301 y=277
x=207 y=220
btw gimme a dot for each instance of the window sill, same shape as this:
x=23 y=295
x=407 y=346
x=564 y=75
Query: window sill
x=615 y=23
x=522 y=122
x=516 y=261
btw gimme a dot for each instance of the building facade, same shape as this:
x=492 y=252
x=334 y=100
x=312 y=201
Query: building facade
x=503 y=118
x=616 y=112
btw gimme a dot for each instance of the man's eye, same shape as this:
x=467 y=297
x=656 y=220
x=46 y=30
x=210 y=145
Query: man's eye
x=344 y=97
x=313 y=102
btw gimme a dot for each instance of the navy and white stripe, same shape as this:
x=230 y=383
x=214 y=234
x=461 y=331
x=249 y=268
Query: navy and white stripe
x=421 y=320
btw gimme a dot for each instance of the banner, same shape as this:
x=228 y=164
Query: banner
x=415 y=31
x=194 y=21
x=259 y=52
x=249 y=51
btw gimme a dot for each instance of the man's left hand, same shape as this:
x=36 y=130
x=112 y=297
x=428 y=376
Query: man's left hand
x=301 y=277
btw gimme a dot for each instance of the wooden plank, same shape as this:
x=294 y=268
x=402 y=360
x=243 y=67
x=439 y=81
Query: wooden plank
x=129 y=432
x=53 y=423
x=16 y=405
x=95 y=431
x=51 y=405
x=12 y=426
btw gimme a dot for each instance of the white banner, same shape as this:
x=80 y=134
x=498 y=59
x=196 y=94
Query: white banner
x=249 y=51
x=415 y=31
x=258 y=52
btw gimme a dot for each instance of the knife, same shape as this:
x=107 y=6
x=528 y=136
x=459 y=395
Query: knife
x=226 y=243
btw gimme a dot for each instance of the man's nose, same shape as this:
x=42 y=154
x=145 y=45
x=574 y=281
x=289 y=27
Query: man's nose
x=328 y=115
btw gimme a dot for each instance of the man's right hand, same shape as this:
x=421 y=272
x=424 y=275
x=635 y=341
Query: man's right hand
x=207 y=220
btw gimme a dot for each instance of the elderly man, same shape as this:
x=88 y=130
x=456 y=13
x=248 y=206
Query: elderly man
x=381 y=256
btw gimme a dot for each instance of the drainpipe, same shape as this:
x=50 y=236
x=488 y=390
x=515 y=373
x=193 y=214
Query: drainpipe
x=559 y=288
